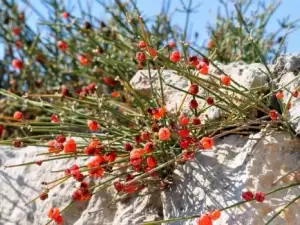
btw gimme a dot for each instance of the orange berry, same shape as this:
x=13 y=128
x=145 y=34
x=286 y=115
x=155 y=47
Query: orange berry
x=202 y=67
x=164 y=134
x=204 y=220
x=70 y=146
x=207 y=142
x=152 y=52
x=53 y=212
x=18 y=115
x=211 y=44
x=279 y=94
x=216 y=214
x=159 y=113
x=115 y=94
x=83 y=60
x=226 y=80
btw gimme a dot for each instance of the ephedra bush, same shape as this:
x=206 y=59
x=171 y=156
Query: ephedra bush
x=87 y=109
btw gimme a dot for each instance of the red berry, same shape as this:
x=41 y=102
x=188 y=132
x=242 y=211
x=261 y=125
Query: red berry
x=140 y=57
x=295 y=93
x=118 y=186
x=259 y=196
x=137 y=139
x=149 y=146
x=183 y=120
x=18 y=44
x=189 y=155
x=63 y=46
x=93 y=125
x=43 y=196
x=210 y=100
x=145 y=136
x=248 y=195
x=273 y=114
x=17 y=64
x=65 y=15
x=64 y=91
x=60 y=138
x=225 y=80
x=193 y=60
x=193 y=104
x=128 y=147
x=184 y=144
x=109 y=81
x=54 y=118
x=16 y=31
x=151 y=161
x=194 y=89
x=172 y=44
x=1 y=130
x=183 y=133
x=18 y=115
x=196 y=121
x=175 y=56
x=142 y=44
x=39 y=162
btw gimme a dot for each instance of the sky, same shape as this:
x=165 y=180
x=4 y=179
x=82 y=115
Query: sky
x=206 y=15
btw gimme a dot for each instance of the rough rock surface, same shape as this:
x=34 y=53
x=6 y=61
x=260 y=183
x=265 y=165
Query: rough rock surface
x=21 y=184
x=217 y=178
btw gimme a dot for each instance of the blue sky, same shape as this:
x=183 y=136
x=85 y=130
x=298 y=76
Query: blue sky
x=199 y=21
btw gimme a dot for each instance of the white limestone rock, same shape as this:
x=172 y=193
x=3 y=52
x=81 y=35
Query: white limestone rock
x=249 y=76
x=217 y=178
x=21 y=184
x=289 y=82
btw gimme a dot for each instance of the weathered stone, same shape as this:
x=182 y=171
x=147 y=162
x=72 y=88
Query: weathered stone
x=21 y=184
x=217 y=178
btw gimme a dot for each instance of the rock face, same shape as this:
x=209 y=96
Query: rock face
x=21 y=184
x=215 y=179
